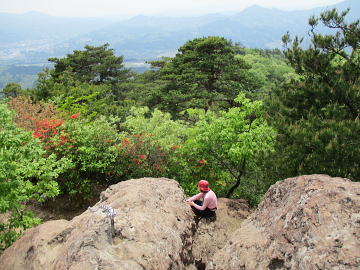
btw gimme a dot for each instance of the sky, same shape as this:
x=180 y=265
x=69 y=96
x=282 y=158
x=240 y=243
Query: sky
x=105 y=8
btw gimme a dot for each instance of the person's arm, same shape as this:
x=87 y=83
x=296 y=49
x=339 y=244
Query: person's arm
x=202 y=207
x=196 y=197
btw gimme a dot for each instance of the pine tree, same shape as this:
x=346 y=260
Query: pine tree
x=317 y=114
x=205 y=73
x=97 y=65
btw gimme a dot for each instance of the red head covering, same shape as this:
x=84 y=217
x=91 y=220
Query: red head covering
x=203 y=185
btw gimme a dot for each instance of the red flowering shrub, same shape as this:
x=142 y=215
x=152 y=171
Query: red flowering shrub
x=51 y=133
x=42 y=119
x=141 y=157
x=29 y=113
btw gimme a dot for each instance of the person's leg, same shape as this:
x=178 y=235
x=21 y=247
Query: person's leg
x=208 y=213
x=205 y=213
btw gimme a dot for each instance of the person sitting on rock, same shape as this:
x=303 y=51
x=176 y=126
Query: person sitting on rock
x=206 y=207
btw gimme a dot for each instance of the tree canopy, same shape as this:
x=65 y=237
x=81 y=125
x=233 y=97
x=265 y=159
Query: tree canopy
x=231 y=141
x=317 y=114
x=204 y=73
x=95 y=65
x=12 y=90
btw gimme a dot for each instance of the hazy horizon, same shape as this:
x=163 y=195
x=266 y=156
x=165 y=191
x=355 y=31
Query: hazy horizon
x=112 y=8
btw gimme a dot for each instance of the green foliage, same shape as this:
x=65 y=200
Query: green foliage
x=73 y=96
x=12 y=90
x=91 y=147
x=219 y=147
x=231 y=142
x=83 y=105
x=149 y=84
x=163 y=131
x=88 y=100
x=141 y=157
x=268 y=68
x=95 y=65
x=149 y=148
x=204 y=74
x=317 y=114
x=26 y=173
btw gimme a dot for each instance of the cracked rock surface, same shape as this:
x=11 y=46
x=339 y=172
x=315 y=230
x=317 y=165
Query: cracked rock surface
x=153 y=228
x=307 y=222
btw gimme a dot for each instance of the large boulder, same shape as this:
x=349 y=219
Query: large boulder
x=150 y=226
x=153 y=229
x=307 y=222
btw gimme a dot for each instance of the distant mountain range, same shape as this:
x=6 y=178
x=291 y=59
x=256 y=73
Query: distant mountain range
x=32 y=38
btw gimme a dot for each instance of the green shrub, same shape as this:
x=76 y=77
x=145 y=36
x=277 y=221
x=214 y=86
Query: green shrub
x=26 y=172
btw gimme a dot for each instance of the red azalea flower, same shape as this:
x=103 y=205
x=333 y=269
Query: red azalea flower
x=75 y=115
x=56 y=123
x=203 y=161
x=125 y=142
x=36 y=134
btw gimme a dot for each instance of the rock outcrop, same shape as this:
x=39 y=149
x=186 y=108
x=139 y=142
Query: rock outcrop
x=153 y=229
x=307 y=222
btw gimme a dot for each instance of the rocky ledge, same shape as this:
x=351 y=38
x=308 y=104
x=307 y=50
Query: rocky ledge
x=137 y=224
x=308 y=222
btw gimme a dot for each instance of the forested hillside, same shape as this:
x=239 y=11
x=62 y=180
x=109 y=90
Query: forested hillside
x=241 y=118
